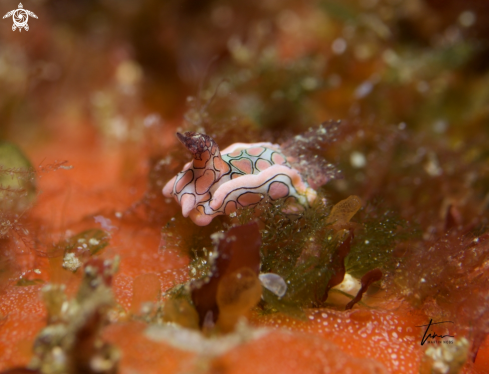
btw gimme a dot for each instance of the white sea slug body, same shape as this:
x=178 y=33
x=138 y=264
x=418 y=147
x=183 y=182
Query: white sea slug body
x=216 y=183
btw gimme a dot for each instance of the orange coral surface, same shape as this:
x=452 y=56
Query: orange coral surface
x=329 y=341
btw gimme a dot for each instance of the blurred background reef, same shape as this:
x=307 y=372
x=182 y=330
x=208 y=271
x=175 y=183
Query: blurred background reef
x=106 y=84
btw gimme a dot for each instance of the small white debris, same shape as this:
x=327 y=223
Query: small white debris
x=349 y=285
x=440 y=126
x=93 y=241
x=363 y=90
x=446 y=358
x=274 y=283
x=466 y=18
x=390 y=57
x=339 y=46
x=217 y=236
x=105 y=223
x=152 y=120
x=358 y=160
x=71 y=262
x=309 y=83
x=431 y=166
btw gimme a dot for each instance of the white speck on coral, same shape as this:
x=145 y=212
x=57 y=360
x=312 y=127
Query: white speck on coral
x=71 y=262
x=106 y=223
x=93 y=241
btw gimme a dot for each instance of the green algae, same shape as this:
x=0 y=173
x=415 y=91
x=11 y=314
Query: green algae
x=17 y=179
x=29 y=282
x=376 y=241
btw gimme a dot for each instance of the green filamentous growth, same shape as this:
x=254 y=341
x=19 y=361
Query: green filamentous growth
x=17 y=179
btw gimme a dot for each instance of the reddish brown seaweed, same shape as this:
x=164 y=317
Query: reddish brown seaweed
x=237 y=248
x=369 y=278
x=338 y=264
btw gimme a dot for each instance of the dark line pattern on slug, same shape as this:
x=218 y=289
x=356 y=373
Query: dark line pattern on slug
x=183 y=180
x=216 y=183
x=234 y=194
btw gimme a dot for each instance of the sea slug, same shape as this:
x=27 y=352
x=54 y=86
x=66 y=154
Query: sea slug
x=216 y=183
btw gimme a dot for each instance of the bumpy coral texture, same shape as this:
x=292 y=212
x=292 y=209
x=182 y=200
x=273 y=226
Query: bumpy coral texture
x=216 y=183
